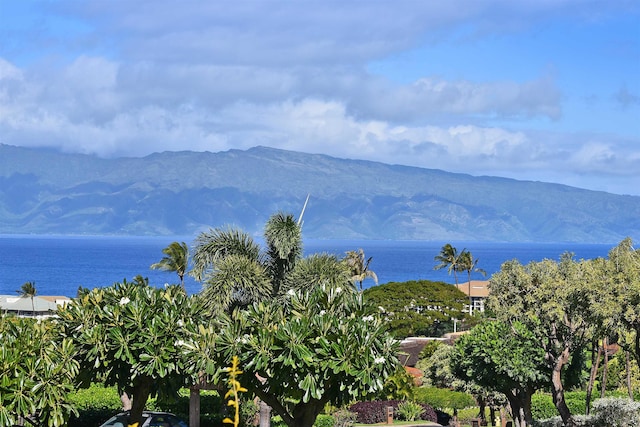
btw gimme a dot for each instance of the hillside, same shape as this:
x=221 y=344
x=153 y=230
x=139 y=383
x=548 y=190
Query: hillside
x=181 y=193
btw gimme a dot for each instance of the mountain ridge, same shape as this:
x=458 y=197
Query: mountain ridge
x=184 y=192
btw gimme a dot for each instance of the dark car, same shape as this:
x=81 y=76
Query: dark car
x=149 y=419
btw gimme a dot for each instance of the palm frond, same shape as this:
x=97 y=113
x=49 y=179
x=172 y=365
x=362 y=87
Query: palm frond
x=216 y=244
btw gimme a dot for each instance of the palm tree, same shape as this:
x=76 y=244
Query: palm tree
x=449 y=258
x=466 y=262
x=28 y=290
x=236 y=272
x=359 y=267
x=176 y=259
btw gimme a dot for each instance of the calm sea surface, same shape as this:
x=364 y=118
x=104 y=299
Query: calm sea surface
x=60 y=264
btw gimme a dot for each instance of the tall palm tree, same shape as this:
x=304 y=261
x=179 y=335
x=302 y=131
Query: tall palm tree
x=449 y=258
x=28 y=290
x=236 y=272
x=466 y=262
x=359 y=267
x=176 y=259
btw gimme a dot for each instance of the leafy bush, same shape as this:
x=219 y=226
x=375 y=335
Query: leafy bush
x=616 y=412
x=375 y=411
x=542 y=406
x=580 y=420
x=442 y=398
x=324 y=421
x=95 y=405
x=344 y=418
x=409 y=411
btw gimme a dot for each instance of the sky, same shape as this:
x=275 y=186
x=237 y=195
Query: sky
x=542 y=90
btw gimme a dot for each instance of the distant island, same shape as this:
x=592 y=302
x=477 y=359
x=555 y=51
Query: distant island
x=180 y=193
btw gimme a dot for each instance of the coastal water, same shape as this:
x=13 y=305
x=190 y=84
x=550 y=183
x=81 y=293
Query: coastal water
x=60 y=264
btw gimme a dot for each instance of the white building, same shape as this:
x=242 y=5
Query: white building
x=42 y=306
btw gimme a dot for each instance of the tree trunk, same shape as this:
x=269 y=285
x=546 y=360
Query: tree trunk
x=194 y=407
x=628 y=368
x=605 y=368
x=517 y=411
x=126 y=401
x=595 y=362
x=492 y=414
x=482 y=404
x=141 y=391
x=305 y=414
x=265 y=414
x=557 y=388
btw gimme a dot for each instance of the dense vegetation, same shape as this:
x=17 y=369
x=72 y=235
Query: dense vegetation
x=310 y=342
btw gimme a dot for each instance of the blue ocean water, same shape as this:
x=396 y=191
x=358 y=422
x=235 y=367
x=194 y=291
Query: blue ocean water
x=61 y=264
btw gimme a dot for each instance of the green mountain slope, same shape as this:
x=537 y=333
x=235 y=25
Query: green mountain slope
x=42 y=191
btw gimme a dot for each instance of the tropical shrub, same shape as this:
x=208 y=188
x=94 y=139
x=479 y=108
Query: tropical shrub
x=616 y=412
x=542 y=406
x=344 y=418
x=442 y=398
x=37 y=370
x=324 y=420
x=409 y=411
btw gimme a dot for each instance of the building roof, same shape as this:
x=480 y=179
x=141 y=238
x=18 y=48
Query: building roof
x=41 y=304
x=479 y=288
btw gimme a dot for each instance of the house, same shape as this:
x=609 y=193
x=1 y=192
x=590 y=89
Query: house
x=478 y=290
x=41 y=306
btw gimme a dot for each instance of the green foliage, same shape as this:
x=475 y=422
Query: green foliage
x=542 y=406
x=248 y=412
x=409 y=411
x=96 y=397
x=416 y=307
x=500 y=357
x=324 y=420
x=312 y=348
x=441 y=398
x=398 y=386
x=176 y=259
x=429 y=348
x=37 y=369
x=616 y=412
x=137 y=337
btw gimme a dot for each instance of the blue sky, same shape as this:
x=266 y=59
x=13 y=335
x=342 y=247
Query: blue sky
x=544 y=90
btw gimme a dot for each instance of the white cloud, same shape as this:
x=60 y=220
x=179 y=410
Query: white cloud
x=149 y=76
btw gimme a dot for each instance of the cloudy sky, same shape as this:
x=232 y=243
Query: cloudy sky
x=545 y=90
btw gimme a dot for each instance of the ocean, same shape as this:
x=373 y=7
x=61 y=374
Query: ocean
x=59 y=265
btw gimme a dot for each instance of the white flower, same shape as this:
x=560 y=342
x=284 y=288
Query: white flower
x=322 y=312
x=180 y=323
x=291 y=292
x=179 y=343
x=368 y=318
x=379 y=360
x=124 y=300
x=338 y=290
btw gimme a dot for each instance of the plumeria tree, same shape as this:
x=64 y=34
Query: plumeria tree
x=138 y=338
x=310 y=348
x=37 y=370
x=298 y=325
